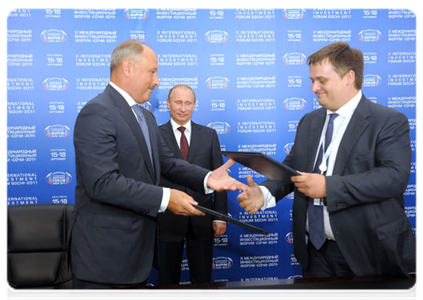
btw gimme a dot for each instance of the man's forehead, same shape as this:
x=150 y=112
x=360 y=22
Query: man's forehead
x=181 y=89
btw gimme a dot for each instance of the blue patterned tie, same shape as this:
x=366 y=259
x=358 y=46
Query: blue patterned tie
x=315 y=213
x=144 y=128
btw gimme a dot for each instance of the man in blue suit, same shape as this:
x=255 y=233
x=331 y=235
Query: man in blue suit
x=202 y=149
x=120 y=156
x=348 y=212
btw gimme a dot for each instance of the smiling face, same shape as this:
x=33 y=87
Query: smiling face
x=332 y=90
x=181 y=104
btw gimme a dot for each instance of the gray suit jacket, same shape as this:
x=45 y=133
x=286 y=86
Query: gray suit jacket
x=364 y=194
x=117 y=196
x=205 y=152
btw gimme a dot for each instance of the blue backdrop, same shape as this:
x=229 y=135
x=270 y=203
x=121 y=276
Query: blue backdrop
x=248 y=69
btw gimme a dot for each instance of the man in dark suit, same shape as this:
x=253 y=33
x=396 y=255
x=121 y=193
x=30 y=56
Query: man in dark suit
x=120 y=156
x=198 y=145
x=348 y=211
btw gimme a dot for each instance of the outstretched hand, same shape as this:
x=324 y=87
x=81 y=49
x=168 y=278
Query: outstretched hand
x=219 y=180
x=251 y=199
x=182 y=204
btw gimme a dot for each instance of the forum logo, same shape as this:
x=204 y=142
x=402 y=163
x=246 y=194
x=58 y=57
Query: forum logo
x=294 y=59
x=370 y=35
x=59 y=178
x=372 y=80
x=57 y=131
x=217 y=82
x=220 y=127
x=216 y=36
x=147 y=105
x=136 y=14
x=294 y=103
x=294 y=14
x=55 y=84
x=222 y=262
x=287 y=148
x=53 y=36
x=289 y=238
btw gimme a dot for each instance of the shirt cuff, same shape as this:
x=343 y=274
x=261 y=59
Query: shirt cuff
x=207 y=190
x=165 y=199
x=269 y=199
x=219 y=221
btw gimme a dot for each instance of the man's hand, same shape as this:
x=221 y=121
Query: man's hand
x=312 y=185
x=181 y=204
x=251 y=199
x=219 y=228
x=220 y=181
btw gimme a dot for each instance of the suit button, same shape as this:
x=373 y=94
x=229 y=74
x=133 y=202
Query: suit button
x=342 y=205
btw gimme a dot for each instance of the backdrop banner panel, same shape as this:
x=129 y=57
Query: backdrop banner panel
x=248 y=69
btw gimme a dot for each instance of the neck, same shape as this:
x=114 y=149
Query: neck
x=348 y=97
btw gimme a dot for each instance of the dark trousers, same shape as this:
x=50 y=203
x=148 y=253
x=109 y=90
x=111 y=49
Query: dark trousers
x=82 y=284
x=199 y=254
x=328 y=261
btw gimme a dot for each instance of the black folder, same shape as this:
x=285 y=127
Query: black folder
x=230 y=219
x=263 y=164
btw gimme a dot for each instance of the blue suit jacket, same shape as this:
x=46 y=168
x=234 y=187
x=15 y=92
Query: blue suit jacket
x=117 y=196
x=364 y=194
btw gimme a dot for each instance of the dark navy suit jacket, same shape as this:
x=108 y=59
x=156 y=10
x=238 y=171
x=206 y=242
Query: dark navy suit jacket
x=364 y=194
x=117 y=196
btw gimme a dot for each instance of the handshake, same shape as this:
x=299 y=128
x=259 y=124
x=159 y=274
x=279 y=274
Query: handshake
x=313 y=185
x=219 y=180
x=251 y=199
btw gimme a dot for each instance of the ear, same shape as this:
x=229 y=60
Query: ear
x=168 y=103
x=350 y=77
x=126 y=67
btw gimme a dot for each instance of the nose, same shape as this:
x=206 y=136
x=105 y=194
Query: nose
x=315 y=86
x=156 y=80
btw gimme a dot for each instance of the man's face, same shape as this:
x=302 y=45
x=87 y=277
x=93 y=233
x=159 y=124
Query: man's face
x=328 y=86
x=144 y=77
x=181 y=105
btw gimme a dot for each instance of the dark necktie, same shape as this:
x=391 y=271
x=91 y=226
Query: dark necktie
x=315 y=213
x=184 y=143
x=144 y=128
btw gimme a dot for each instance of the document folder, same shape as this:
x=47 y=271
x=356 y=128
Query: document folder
x=230 y=219
x=263 y=164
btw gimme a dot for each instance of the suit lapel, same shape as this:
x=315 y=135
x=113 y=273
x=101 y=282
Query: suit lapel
x=358 y=123
x=170 y=139
x=151 y=123
x=128 y=115
x=316 y=128
x=196 y=140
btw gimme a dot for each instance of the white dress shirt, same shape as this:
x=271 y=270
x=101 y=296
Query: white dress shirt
x=340 y=125
x=178 y=134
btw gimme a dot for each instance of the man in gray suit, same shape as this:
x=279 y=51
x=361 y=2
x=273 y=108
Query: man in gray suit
x=198 y=145
x=120 y=156
x=355 y=158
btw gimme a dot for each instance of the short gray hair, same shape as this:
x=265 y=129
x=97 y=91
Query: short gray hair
x=126 y=49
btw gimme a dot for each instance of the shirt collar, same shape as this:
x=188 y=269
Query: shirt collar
x=348 y=108
x=175 y=125
x=131 y=102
